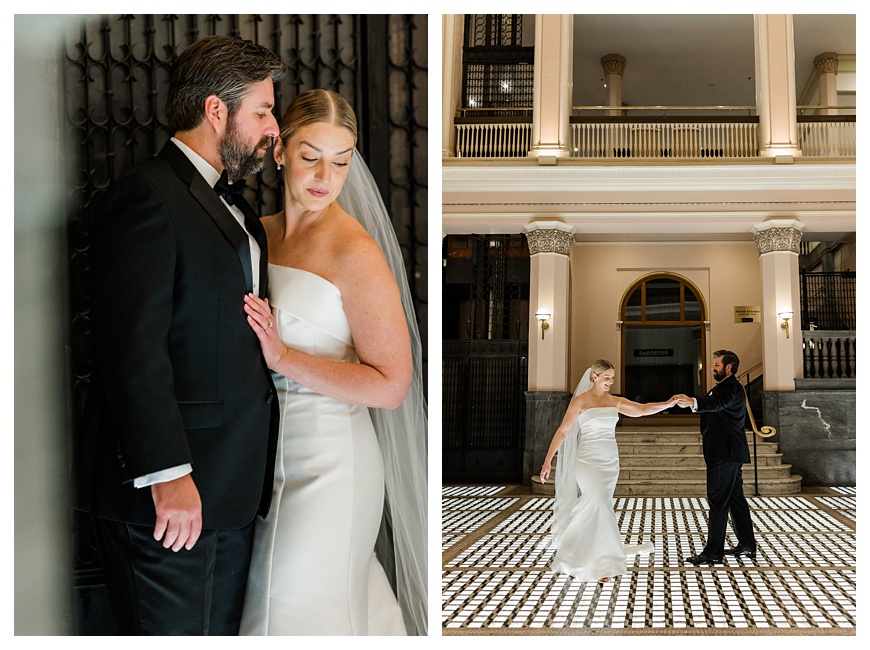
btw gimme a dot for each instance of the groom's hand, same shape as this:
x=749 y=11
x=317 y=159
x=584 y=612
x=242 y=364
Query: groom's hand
x=179 y=513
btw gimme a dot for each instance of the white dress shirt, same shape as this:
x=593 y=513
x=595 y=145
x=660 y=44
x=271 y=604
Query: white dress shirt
x=211 y=176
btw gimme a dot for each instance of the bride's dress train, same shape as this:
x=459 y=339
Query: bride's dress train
x=590 y=546
x=313 y=570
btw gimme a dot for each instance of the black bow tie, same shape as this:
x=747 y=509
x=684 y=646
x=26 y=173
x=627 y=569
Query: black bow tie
x=229 y=192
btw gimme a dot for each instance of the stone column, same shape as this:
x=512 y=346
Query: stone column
x=614 y=67
x=825 y=66
x=552 y=87
x=452 y=26
x=550 y=245
x=775 y=94
x=778 y=242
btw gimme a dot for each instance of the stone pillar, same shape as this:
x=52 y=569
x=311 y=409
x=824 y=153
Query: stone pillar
x=452 y=26
x=614 y=67
x=825 y=66
x=551 y=104
x=547 y=399
x=778 y=242
x=775 y=94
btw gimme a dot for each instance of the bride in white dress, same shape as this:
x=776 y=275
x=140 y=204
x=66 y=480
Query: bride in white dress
x=585 y=530
x=340 y=342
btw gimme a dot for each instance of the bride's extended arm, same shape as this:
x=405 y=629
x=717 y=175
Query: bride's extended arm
x=635 y=410
x=571 y=415
x=380 y=334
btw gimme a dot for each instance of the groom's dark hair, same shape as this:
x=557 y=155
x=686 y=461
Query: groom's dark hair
x=216 y=65
x=728 y=357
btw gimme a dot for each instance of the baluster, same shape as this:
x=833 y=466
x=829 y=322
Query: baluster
x=826 y=359
x=836 y=360
x=852 y=358
x=817 y=356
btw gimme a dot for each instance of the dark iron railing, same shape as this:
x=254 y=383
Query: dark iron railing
x=828 y=300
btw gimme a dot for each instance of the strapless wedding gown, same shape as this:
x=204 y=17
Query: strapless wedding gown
x=313 y=570
x=591 y=546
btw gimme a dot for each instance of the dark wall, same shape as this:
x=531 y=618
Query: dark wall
x=816 y=432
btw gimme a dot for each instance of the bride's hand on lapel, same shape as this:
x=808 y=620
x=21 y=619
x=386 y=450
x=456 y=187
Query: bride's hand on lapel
x=262 y=322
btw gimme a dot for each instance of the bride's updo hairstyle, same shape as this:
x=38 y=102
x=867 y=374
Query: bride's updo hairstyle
x=600 y=366
x=315 y=106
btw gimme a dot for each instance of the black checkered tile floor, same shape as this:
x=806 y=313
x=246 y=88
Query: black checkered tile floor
x=496 y=580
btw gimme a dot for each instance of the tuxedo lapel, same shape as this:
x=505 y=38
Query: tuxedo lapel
x=214 y=207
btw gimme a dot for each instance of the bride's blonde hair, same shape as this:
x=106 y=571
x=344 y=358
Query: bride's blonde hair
x=602 y=365
x=315 y=106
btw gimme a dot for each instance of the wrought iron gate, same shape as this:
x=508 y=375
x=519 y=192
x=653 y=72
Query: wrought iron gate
x=485 y=357
x=115 y=80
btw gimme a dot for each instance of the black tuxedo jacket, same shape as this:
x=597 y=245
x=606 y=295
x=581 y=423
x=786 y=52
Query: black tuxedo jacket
x=179 y=376
x=723 y=422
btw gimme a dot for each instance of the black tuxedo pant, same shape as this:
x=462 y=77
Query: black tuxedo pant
x=155 y=591
x=725 y=496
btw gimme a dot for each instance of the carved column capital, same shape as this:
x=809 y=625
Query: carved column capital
x=550 y=238
x=825 y=63
x=613 y=64
x=778 y=236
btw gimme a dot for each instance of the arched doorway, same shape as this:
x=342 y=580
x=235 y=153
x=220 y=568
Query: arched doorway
x=663 y=338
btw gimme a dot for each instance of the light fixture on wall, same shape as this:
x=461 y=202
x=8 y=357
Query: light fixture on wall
x=706 y=326
x=619 y=326
x=543 y=315
x=785 y=316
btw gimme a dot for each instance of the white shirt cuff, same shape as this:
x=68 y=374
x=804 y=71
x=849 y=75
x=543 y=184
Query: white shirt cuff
x=163 y=476
x=694 y=405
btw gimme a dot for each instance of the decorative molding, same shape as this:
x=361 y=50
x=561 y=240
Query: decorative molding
x=613 y=64
x=780 y=235
x=554 y=239
x=500 y=180
x=825 y=63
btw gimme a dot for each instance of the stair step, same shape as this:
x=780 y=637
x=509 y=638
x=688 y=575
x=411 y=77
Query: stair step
x=778 y=486
x=674 y=473
x=657 y=436
x=687 y=460
x=643 y=448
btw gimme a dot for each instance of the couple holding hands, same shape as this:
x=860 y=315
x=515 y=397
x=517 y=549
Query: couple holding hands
x=585 y=532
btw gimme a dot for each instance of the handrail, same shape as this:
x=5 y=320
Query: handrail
x=663 y=108
x=746 y=374
x=765 y=432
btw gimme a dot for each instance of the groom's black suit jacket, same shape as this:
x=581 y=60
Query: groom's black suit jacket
x=179 y=376
x=723 y=422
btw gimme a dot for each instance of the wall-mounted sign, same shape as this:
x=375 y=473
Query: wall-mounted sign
x=656 y=352
x=747 y=314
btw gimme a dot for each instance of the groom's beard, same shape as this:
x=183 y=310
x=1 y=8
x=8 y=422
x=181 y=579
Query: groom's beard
x=717 y=377
x=238 y=157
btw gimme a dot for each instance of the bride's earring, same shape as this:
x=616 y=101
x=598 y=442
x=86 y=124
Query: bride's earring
x=278 y=166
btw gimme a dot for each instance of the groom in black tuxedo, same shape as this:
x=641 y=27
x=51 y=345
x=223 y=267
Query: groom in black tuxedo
x=723 y=433
x=178 y=441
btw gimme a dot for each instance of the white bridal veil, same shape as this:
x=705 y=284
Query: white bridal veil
x=567 y=491
x=402 y=432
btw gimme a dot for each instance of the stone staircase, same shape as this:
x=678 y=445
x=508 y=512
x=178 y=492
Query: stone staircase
x=662 y=456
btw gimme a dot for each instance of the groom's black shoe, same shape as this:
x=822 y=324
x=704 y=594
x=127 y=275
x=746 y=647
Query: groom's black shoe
x=704 y=558
x=739 y=551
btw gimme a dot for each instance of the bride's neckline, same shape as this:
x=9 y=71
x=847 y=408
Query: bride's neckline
x=310 y=273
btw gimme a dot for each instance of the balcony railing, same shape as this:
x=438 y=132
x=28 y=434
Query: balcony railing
x=829 y=354
x=827 y=135
x=651 y=138
x=507 y=133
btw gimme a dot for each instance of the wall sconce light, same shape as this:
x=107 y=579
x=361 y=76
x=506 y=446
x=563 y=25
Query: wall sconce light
x=543 y=315
x=785 y=316
x=706 y=326
x=619 y=326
